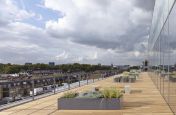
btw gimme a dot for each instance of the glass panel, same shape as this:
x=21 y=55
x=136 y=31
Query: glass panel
x=162 y=50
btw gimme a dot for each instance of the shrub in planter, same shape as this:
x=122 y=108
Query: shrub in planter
x=106 y=99
x=125 y=73
x=70 y=95
x=111 y=93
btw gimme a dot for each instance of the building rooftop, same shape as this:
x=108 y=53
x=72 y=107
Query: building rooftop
x=144 y=98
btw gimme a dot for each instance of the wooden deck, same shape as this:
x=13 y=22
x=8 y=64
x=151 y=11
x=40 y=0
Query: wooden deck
x=144 y=100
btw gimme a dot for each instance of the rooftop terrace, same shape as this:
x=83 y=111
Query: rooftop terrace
x=144 y=99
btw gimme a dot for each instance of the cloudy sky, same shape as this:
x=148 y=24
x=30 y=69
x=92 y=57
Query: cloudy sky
x=69 y=31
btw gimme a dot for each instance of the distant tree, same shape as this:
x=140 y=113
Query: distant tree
x=9 y=68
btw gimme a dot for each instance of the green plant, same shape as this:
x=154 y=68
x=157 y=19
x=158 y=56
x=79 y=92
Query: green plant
x=111 y=93
x=125 y=74
x=70 y=95
x=105 y=93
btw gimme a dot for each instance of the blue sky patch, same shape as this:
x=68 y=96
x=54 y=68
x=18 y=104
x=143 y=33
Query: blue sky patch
x=43 y=14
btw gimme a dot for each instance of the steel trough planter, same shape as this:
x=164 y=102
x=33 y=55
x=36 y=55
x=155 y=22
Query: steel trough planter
x=90 y=103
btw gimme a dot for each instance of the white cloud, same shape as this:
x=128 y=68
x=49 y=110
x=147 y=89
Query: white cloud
x=91 y=16
x=93 y=56
x=10 y=11
x=62 y=56
x=136 y=53
x=15 y=45
x=78 y=60
x=140 y=16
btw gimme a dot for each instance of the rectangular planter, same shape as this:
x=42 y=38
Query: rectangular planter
x=132 y=80
x=173 y=79
x=124 y=79
x=127 y=80
x=117 y=79
x=89 y=104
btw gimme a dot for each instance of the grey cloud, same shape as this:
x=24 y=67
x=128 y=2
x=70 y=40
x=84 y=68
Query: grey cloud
x=3 y=23
x=124 y=43
x=146 y=4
